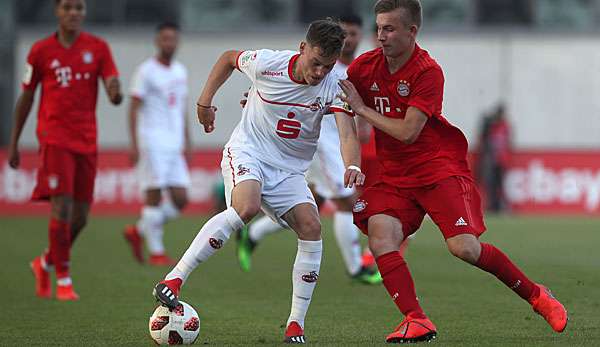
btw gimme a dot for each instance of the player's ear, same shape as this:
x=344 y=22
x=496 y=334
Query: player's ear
x=302 y=47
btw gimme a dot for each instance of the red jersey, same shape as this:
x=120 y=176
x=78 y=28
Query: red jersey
x=69 y=78
x=440 y=151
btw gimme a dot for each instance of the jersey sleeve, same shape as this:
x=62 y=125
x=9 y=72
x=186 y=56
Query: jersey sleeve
x=429 y=92
x=139 y=83
x=33 y=70
x=108 y=68
x=338 y=105
x=247 y=62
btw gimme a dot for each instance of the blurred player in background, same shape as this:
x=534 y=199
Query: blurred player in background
x=68 y=65
x=268 y=153
x=398 y=88
x=326 y=180
x=159 y=139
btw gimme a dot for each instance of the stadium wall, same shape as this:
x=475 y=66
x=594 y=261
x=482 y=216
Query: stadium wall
x=549 y=82
x=537 y=182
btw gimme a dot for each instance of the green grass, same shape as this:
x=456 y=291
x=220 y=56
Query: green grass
x=469 y=307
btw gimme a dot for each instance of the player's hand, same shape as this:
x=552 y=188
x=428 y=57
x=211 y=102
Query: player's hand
x=206 y=117
x=134 y=156
x=243 y=102
x=350 y=96
x=113 y=89
x=353 y=177
x=14 y=159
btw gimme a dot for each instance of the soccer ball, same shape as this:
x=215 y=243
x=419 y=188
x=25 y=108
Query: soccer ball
x=178 y=327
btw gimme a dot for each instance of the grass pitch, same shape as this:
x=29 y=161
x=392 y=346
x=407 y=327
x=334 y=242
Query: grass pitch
x=469 y=307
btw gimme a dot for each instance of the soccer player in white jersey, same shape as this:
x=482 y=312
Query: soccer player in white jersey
x=325 y=177
x=268 y=153
x=159 y=139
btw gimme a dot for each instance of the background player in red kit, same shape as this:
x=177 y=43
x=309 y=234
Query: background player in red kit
x=67 y=64
x=398 y=88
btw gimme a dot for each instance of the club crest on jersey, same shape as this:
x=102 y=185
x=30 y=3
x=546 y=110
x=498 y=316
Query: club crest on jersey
x=359 y=205
x=317 y=105
x=311 y=277
x=215 y=243
x=88 y=57
x=403 y=88
x=242 y=170
x=247 y=57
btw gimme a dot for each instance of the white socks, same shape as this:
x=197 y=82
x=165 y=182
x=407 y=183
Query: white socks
x=262 y=227
x=346 y=235
x=151 y=226
x=209 y=239
x=169 y=210
x=304 y=278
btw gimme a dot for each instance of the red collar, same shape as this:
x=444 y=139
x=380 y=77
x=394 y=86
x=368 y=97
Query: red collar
x=291 y=68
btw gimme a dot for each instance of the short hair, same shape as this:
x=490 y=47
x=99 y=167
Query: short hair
x=167 y=25
x=326 y=34
x=412 y=7
x=57 y=2
x=351 y=18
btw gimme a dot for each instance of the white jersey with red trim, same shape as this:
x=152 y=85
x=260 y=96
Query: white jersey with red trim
x=281 y=121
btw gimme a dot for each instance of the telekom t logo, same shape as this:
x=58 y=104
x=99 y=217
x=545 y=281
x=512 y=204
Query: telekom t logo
x=382 y=104
x=63 y=76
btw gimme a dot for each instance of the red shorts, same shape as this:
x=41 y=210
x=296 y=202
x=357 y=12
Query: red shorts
x=452 y=203
x=370 y=167
x=64 y=172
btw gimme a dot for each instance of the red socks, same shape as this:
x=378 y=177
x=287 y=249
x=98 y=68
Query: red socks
x=398 y=282
x=497 y=263
x=60 y=247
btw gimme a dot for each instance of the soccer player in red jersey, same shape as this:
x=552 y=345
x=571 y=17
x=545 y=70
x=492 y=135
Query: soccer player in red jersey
x=68 y=65
x=398 y=88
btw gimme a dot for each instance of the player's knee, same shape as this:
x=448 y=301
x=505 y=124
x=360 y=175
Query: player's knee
x=466 y=252
x=79 y=223
x=310 y=229
x=247 y=211
x=62 y=209
x=180 y=202
x=381 y=245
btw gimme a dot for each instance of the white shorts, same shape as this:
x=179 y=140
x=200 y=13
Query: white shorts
x=326 y=171
x=162 y=169
x=281 y=190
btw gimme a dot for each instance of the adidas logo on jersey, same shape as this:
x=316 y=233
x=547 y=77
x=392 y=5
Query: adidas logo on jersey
x=460 y=222
x=55 y=63
x=374 y=87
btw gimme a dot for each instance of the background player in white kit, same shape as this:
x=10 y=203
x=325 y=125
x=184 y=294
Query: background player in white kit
x=268 y=153
x=159 y=138
x=325 y=177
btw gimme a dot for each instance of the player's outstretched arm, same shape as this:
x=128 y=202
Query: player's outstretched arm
x=350 y=148
x=22 y=109
x=218 y=75
x=406 y=130
x=113 y=90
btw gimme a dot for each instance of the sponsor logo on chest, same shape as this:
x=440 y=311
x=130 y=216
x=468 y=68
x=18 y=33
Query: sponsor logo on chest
x=272 y=73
